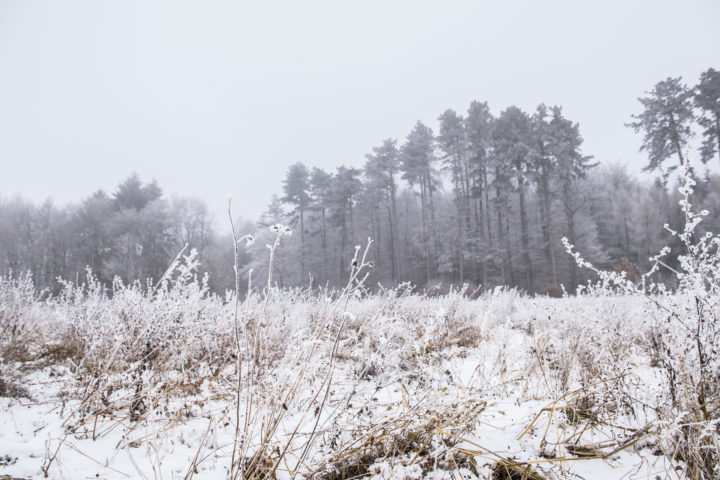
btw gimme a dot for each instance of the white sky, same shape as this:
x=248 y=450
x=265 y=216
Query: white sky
x=216 y=97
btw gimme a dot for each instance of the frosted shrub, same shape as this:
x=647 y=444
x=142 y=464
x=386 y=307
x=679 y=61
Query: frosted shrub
x=136 y=347
x=683 y=339
x=16 y=295
x=17 y=299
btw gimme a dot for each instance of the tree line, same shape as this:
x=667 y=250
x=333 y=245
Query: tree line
x=133 y=233
x=483 y=201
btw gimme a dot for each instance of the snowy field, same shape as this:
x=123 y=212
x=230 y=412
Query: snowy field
x=175 y=383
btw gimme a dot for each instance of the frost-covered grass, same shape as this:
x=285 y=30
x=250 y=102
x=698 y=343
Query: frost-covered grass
x=145 y=384
x=169 y=381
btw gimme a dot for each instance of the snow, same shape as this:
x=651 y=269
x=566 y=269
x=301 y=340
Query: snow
x=481 y=378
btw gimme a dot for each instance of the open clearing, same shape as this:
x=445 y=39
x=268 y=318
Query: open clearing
x=145 y=384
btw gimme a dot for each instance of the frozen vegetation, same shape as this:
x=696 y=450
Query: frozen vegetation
x=170 y=381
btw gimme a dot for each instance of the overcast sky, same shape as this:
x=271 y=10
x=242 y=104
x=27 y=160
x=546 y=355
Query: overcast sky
x=216 y=97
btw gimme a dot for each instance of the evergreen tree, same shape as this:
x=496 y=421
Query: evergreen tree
x=321 y=184
x=514 y=149
x=565 y=147
x=545 y=167
x=502 y=175
x=707 y=99
x=346 y=186
x=417 y=164
x=452 y=143
x=296 y=189
x=478 y=130
x=665 y=122
x=152 y=191
x=381 y=168
x=131 y=193
x=94 y=241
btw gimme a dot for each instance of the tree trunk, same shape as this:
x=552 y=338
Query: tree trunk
x=508 y=252
x=425 y=232
x=377 y=231
x=676 y=139
x=394 y=233
x=302 y=245
x=393 y=258
x=433 y=230
x=717 y=133
x=323 y=244
x=459 y=182
x=477 y=228
x=547 y=226
x=570 y=217
x=501 y=235
x=343 y=248
x=524 y=235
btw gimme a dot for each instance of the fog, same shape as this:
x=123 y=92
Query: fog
x=221 y=97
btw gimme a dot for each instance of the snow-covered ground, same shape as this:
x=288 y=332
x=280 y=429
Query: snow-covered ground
x=388 y=386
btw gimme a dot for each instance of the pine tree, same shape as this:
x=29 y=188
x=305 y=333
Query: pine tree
x=94 y=240
x=296 y=187
x=451 y=141
x=707 y=99
x=545 y=167
x=140 y=227
x=417 y=164
x=665 y=122
x=514 y=149
x=130 y=194
x=564 y=145
x=321 y=183
x=478 y=130
x=380 y=170
x=346 y=186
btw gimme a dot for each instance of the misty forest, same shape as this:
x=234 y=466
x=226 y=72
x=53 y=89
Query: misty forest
x=482 y=299
x=481 y=200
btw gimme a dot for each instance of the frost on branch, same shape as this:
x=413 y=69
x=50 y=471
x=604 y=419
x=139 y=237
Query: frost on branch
x=685 y=336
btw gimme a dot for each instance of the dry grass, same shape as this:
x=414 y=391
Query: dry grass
x=422 y=436
x=165 y=359
x=508 y=470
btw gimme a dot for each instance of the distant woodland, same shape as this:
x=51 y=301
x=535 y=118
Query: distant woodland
x=483 y=200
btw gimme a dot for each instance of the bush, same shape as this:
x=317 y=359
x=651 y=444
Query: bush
x=683 y=339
